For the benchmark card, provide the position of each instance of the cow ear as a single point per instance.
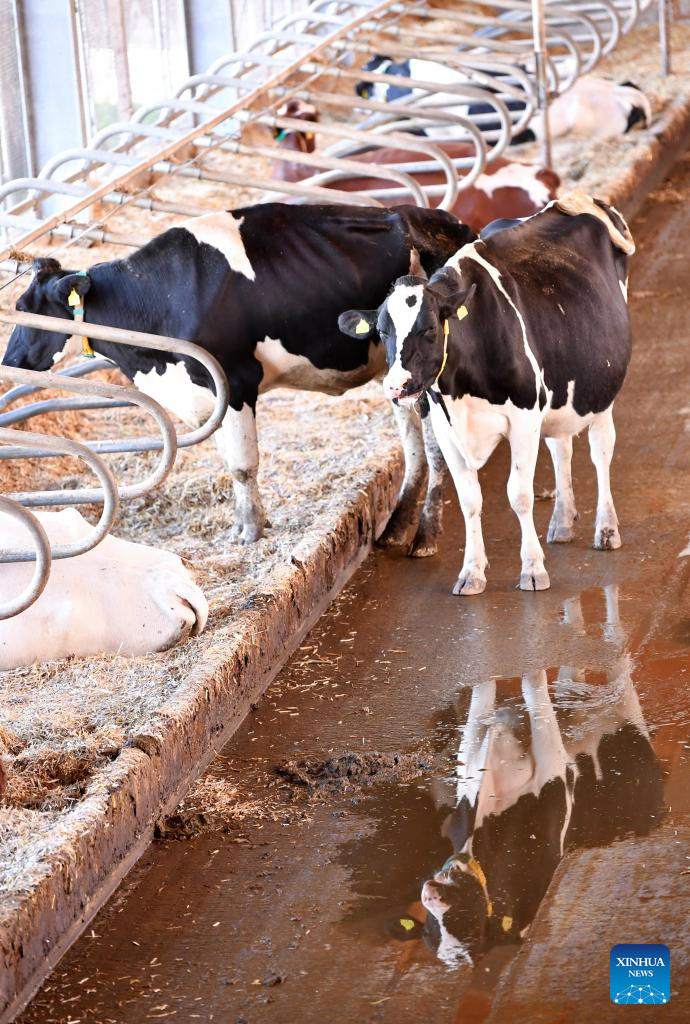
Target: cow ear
(45, 265)
(63, 287)
(359, 323)
(451, 299)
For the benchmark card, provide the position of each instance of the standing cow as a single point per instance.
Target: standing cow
(260, 288)
(521, 335)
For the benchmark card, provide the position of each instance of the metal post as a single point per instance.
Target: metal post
(665, 37)
(116, 24)
(539, 34)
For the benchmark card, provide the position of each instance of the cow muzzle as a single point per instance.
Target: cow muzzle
(401, 390)
(433, 897)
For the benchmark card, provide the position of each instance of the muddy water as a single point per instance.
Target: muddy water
(514, 738)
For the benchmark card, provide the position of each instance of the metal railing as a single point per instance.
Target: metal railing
(16, 444)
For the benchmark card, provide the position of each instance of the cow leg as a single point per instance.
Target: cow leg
(402, 525)
(548, 749)
(602, 440)
(524, 448)
(236, 440)
(564, 511)
(431, 520)
(472, 578)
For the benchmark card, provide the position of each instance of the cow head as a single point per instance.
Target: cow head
(383, 91)
(413, 324)
(461, 921)
(291, 138)
(458, 907)
(48, 295)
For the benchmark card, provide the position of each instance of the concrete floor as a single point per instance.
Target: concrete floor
(292, 916)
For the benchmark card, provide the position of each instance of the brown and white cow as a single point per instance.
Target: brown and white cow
(505, 189)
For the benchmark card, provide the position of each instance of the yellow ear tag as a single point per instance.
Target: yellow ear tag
(407, 923)
(86, 349)
(73, 298)
(507, 923)
(462, 312)
(362, 327)
(446, 328)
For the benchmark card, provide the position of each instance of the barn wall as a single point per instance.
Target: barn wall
(71, 67)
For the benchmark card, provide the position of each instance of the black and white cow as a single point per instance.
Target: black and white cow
(434, 72)
(260, 288)
(572, 766)
(593, 108)
(521, 335)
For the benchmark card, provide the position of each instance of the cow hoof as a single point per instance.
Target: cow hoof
(559, 534)
(468, 584)
(607, 539)
(425, 543)
(396, 535)
(248, 533)
(535, 580)
(424, 549)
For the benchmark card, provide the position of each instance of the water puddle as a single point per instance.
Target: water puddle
(539, 765)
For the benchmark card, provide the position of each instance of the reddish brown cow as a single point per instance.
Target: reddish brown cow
(506, 188)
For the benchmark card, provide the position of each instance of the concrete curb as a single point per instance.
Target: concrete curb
(115, 822)
(653, 161)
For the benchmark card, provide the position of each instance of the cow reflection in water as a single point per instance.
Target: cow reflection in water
(531, 786)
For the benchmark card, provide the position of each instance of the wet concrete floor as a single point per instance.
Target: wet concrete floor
(540, 739)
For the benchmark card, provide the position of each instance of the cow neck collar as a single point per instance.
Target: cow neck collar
(77, 305)
(446, 332)
(473, 868)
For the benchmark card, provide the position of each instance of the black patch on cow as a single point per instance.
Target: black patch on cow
(311, 262)
(625, 798)
(411, 300)
(393, 92)
(563, 274)
(437, 398)
(636, 116)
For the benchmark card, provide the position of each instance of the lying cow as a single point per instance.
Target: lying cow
(596, 108)
(439, 74)
(521, 335)
(505, 189)
(118, 598)
(260, 288)
(593, 108)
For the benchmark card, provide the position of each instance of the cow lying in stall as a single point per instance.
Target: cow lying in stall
(593, 108)
(260, 288)
(118, 598)
(525, 796)
(506, 188)
(522, 334)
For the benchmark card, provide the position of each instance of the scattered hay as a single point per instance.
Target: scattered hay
(51, 780)
(354, 770)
